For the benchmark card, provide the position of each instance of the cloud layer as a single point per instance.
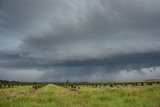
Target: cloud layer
(77, 40)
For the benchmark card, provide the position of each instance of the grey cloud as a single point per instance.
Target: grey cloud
(79, 38)
(101, 31)
(22, 14)
(106, 69)
(99, 75)
(20, 74)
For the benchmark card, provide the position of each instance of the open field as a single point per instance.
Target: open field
(84, 96)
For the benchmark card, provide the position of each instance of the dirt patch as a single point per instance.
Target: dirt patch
(73, 89)
(63, 94)
(31, 92)
(14, 94)
(156, 105)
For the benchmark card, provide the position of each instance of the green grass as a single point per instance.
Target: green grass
(56, 96)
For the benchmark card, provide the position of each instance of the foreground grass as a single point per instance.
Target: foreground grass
(56, 96)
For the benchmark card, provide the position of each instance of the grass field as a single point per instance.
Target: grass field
(56, 96)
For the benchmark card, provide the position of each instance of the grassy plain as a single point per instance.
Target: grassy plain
(87, 96)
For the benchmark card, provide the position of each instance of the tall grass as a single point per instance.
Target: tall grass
(56, 96)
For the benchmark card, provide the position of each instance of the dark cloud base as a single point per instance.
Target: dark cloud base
(117, 61)
(101, 69)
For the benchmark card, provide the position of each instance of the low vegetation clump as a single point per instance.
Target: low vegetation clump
(37, 86)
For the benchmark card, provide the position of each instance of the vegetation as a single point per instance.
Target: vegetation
(120, 94)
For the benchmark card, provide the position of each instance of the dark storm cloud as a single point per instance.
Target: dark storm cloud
(98, 74)
(80, 40)
(106, 69)
(100, 31)
(22, 14)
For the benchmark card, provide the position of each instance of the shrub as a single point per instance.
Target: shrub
(79, 87)
(142, 83)
(0, 85)
(111, 85)
(9, 85)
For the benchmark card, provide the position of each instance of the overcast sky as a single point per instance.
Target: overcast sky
(79, 40)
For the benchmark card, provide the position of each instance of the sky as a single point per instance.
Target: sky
(79, 40)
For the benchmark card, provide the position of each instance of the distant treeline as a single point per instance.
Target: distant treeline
(110, 84)
(36, 85)
(8, 84)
